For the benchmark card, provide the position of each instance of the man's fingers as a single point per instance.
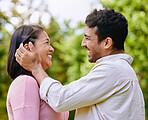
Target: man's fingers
(18, 58)
(31, 46)
(22, 49)
(18, 53)
(25, 57)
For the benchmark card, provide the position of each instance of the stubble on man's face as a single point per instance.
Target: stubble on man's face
(91, 44)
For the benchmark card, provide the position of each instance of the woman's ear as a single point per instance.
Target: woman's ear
(27, 47)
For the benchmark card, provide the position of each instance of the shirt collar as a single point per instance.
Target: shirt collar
(126, 57)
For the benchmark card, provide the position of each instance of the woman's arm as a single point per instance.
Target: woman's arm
(24, 99)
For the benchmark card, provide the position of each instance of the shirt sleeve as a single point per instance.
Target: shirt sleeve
(95, 87)
(25, 100)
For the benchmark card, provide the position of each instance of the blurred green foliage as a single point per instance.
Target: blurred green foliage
(69, 58)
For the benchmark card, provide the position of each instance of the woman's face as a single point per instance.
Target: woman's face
(44, 49)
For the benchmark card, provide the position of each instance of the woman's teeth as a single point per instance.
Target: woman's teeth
(50, 56)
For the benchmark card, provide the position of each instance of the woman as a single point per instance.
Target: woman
(23, 100)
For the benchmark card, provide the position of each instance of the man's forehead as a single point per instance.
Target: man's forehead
(88, 31)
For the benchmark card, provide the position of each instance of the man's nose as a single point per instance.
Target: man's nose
(83, 44)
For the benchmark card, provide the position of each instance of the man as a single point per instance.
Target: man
(110, 91)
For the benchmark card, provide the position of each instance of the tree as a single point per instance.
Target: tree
(4, 79)
(136, 44)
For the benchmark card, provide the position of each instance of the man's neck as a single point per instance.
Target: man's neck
(112, 52)
(116, 52)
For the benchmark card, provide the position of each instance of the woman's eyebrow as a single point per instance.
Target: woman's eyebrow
(47, 39)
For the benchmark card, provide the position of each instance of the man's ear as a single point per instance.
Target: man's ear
(26, 47)
(108, 43)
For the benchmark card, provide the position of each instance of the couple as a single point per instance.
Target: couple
(110, 91)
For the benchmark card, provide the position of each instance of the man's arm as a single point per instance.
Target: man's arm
(97, 86)
(89, 90)
(39, 74)
(31, 61)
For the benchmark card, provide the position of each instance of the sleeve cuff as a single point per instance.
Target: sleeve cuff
(45, 86)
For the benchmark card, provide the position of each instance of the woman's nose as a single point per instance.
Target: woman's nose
(51, 49)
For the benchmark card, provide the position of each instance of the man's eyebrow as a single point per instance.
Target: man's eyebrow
(86, 35)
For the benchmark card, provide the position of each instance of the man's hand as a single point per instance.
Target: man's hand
(29, 60)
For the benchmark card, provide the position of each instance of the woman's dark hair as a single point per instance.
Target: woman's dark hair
(109, 24)
(24, 34)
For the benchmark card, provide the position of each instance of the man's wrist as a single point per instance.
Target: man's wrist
(39, 74)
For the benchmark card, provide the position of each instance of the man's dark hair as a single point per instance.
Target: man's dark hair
(24, 34)
(109, 24)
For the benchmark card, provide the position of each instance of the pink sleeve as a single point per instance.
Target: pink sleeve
(25, 100)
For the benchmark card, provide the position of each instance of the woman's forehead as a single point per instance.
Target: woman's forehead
(43, 35)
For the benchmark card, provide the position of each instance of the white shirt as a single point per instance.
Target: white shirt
(110, 91)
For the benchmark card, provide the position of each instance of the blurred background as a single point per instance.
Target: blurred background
(64, 23)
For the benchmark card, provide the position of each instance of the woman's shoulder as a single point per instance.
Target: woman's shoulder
(24, 81)
(25, 78)
(24, 90)
(23, 84)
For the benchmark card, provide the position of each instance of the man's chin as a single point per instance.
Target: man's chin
(91, 61)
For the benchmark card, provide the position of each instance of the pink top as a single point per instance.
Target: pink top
(24, 103)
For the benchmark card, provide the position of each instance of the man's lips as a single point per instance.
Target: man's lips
(88, 50)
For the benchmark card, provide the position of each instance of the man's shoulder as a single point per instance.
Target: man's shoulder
(104, 65)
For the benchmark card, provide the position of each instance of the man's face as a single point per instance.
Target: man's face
(90, 42)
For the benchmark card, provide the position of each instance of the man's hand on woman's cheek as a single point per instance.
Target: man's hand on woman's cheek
(27, 59)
